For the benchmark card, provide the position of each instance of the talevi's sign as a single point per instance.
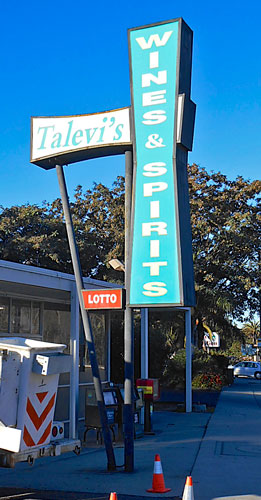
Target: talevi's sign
(157, 276)
(68, 139)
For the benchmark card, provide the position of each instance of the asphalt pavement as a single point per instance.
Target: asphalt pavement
(220, 450)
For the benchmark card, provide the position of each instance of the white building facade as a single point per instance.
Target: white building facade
(43, 304)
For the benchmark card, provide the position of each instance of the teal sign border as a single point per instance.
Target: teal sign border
(156, 259)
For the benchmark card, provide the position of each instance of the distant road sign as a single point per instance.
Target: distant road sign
(104, 299)
(212, 342)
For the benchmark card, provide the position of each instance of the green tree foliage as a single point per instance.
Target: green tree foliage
(117, 346)
(234, 351)
(202, 363)
(225, 218)
(31, 235)
(166, 337)
(36, 235)
(251, 331)
(98, 217)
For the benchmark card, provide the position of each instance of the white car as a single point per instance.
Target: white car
(248, 369)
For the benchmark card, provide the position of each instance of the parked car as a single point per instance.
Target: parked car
(247, 369)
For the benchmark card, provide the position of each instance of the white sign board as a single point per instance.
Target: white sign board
(214, 341)
(67, 139)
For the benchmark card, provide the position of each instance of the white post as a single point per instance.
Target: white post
(188, 361)
(144, 343)
(108, 343)
(74, 351)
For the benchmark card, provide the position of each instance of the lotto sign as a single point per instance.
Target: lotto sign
(103, 299)
(160, 229)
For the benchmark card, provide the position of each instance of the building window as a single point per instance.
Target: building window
(99, 336)
(4, 314)
(25, 317)
(57, 323)
(19, 317)
(35, 315)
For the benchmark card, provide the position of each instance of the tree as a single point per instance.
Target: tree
(251, 331)
(29, 235)
(98, 217)
(225, 217)
(35, 235)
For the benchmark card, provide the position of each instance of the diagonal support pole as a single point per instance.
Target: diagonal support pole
(111, 465)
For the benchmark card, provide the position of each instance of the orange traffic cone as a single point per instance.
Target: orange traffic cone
(113, 496)
(188, 490)
(158, 485)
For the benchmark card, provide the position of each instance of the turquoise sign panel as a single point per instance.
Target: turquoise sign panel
(155, 262)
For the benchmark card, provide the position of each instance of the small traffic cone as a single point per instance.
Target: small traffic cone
(188, 490)
(113, 496)
(158, 485)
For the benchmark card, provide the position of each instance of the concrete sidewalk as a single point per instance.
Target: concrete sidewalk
(229, 459)
(177, 439)
(222, 452)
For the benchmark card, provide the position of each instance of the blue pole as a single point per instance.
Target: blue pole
(128, 410)
(111, 465)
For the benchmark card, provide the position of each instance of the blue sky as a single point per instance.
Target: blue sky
(62, 58)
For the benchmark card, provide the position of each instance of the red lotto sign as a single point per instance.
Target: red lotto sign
(103, 299)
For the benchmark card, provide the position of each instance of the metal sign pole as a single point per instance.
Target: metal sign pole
(111, 465)
(188, 361)
(128, 329)
(144, 343)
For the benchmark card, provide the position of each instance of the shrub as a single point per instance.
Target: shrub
(175, 370)
(203, 363)
(212, 363)
(208, 381)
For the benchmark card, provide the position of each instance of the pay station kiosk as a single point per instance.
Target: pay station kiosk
(113, 403)
(113, 400)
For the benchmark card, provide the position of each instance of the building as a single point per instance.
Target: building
(43, 304)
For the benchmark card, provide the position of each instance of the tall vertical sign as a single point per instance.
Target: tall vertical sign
(163, 118)
(162, 130)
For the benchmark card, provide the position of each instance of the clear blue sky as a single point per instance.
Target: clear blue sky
(60, 57)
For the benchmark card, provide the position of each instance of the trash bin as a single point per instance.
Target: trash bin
(29, 373)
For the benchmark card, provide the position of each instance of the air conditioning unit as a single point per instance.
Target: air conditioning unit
(57, 431)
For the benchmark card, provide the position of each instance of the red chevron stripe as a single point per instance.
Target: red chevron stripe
(38, 420)
(41, 396)
(28, 438)
(45, 434)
